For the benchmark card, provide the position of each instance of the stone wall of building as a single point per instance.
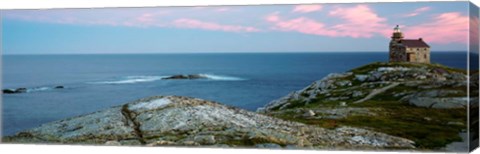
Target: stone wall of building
(397, 54)
(421, 55)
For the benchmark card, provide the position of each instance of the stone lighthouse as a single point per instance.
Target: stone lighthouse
(408, 50)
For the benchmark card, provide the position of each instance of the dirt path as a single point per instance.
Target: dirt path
(377, 91)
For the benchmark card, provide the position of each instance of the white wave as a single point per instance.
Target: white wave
(131, 79)
(221, 77)
(36, 89)
(140, 79)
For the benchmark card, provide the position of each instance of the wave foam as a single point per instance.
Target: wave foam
(37, 89)
(221, 77)
(131, 79)
(140, 79)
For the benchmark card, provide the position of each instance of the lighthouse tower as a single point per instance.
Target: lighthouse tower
(395, 46)
(397, 34)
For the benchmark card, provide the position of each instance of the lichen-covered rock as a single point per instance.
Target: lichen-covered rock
(426, 77)
(370, 138)
(95, 128)
(439, 103)
(321, 86)
(113, 143)
(205, 139)
(309, 113)
(184, 121)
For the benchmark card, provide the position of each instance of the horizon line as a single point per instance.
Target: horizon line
(144, 53)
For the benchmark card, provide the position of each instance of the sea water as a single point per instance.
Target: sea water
(96, 82)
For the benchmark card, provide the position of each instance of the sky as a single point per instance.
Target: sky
(231, 29)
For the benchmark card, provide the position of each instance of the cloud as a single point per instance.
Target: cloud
(417, 12)
(273, 17)
(445, 28)
(100, 17)
(197, 24)
(131, 18)
(302, 25)
(357, 22)
(146, 18)
(360, 21)
(223, 9)
(307, 8)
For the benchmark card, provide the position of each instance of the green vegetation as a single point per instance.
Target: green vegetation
(369, 67)
(429, 128)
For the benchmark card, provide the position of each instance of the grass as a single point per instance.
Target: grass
(369, 67)
(410, 122)
(292, 116)
(426, 136)
(428, 128)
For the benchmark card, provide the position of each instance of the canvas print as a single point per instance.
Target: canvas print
(353, 76)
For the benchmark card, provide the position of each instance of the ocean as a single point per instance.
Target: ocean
(96, 82)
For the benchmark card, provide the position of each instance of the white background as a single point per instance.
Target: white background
(53, 149)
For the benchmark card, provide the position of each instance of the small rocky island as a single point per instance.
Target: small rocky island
(188, 77)
(404, 106)
(26, 90)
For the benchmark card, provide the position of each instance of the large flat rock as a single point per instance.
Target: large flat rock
(184, 121)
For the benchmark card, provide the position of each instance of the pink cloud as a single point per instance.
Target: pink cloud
(304, 25)
(197, 24)
(423, 9)
(273, 17)
(417, 11)
(146, 18)
(307, 8)
(139, 19)
(360, 21)
(135, 18)
(357, 22)
(451, 27)
(223, 9)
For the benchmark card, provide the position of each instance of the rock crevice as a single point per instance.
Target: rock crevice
(130, 117)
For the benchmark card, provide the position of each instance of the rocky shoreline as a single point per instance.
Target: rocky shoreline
(184, 121)
(349, 111)
(384, 77)
(405, 99)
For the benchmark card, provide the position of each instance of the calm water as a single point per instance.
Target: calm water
(95, 82)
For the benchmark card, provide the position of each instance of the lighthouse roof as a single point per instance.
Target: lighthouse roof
(415, 43)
